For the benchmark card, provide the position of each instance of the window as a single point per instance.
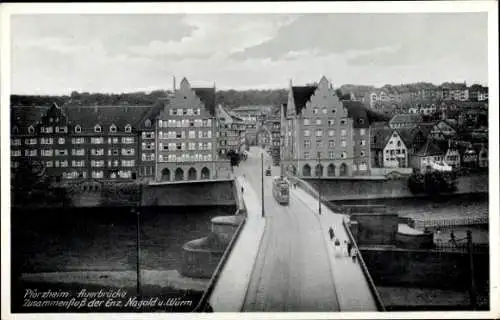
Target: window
(78, 129)
(78, 152)
(315, 111)
(343, 155)
(324, 110)
(112, 128)
(331, 144)
(128, 163)
(331, 133)
(307, 144)
(15, 142)
(128, 140)
(30, 141)
(128, 128)
(30, 153)
(31, 129)
(397, 144)
(307, 122)
(319, 144)
(331, 155)
(61, 140)
(46, 141)
(343, 132)
(331, 122)
(307, 133)
(97, 128)
(343, 121)
(319, 122)
(147, 123)
(362, 153)
(362, 132)
(61, 129)
(343, 143)
(97, 152)
(61, 152)
(148, 135)
(97, 140)
(128, 151)
(80, 140)
(306, 155)
(319, 133)
(362, 142)
(47, 153)
(49, 164)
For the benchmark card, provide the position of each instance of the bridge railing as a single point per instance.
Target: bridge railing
(364, 268)
(203, 305)
(449, 223)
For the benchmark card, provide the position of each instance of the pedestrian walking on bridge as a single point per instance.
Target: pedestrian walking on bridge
(332, 234)
(242, 189)
(349, 248)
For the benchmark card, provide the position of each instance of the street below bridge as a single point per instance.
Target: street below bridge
(292, 271)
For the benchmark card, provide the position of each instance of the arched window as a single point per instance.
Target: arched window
(344, 170)
(179, 174)
(78, 129)
(112, 128)
(31, 129)
(97, 128)
(165, 174)
(147, 123)
(192, 174)
(205, 173)
(331, 170)
(306, 170)
(128, 128)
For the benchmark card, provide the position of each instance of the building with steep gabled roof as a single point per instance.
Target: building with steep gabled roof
(324, 136)
(230, 134)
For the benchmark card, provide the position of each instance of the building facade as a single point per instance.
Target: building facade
(321, 136)
(76, 142)
(231, 133)
(187, 137)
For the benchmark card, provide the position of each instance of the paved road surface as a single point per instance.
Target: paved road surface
(292, 271)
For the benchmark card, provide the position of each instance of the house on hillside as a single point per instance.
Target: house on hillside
(444, 153)
(389, 149)
(405, 121)
(444, 130)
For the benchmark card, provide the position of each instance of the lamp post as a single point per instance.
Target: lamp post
(138, 251)
(319, 183)
(262, 180)
(472, 290)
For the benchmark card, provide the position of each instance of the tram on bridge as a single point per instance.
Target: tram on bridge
(281, 190)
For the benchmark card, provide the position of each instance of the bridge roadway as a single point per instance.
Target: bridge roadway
(294, 267)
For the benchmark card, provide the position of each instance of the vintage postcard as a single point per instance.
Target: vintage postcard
(285, 160)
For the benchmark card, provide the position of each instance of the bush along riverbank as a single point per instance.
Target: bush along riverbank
(433, 183)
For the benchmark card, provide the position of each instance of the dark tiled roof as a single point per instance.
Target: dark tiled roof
(407, 118)
(23, 117)
(153, 112)
(407, 135)
(432, 147)
(207, 97)
(120, 116)
(380, 137)
(301, 96)
(362, 116)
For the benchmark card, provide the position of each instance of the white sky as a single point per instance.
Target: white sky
(59, 53)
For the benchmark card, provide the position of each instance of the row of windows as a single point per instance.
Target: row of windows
(185, 123)
(319, 133)
(395, 151)
(124, 174)
(185, 146)
(79, 140)
(78, 129)
(74, 152)
(331, 155)
(330, 122)
(191, 134)
(185, 157)
(184, 112)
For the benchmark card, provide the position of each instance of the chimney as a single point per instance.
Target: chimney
(174, 88)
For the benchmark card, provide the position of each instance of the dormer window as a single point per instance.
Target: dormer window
(97, 128)
(78, 129)
(128, 128)
(361, 121)
(31, 129)
(15, 130)
(112, 128)
(147, 123)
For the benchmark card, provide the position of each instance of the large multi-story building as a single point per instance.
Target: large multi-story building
(187, 137)
(75, 142)
(231, 132)
(321, 132)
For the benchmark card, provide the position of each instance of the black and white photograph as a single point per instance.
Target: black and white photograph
(218, 158)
